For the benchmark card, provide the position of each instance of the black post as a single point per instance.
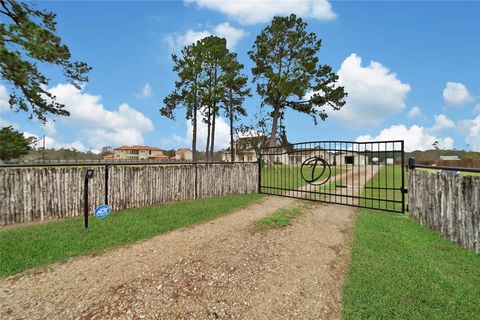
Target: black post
(411, 163)
(88, 175)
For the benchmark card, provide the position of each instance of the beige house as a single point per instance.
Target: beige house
(184, 154)
(138, 153)
(244, 149)
(352, 158)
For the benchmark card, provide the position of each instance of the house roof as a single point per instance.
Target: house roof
(138, 148)
(159, 156)
(109, 156)
(182, 150)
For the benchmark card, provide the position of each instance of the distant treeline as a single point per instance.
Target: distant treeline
(434, 155)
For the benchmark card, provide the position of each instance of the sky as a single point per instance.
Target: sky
(411, 70)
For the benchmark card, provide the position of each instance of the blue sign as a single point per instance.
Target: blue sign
(102, 211)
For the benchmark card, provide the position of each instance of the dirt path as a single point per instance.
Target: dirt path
(220, 269)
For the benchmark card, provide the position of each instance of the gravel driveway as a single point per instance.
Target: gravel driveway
(216, 270)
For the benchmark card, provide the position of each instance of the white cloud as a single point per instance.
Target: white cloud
(416, 137)
(49, 128)
(374, 93)
(146, 91)
(177, 41)
(476, 109)
(456, 94)
(442, 122)
(97, 125)
(222, 136)
(4, 97)
(415, 112)
(252, 12)
(52, 143)
(473, 133)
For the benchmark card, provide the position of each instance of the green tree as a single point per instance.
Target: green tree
(209, 80)
(188, 67)
(13, 144)
(235, 92)
(215, 57)
(27, 36)
(287, 70)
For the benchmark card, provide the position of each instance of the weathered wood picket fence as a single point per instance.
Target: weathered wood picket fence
(44, 193)
(447, 203)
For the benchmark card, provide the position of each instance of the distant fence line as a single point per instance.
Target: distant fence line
(96, 161)
(447, 203)
(469, 163)
(44, 193)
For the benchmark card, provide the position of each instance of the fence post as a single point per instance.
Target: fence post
(259, 160)
(106, 184)
(196, 181)
(88, 176)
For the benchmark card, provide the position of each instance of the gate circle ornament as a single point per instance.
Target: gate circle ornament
(313, 169)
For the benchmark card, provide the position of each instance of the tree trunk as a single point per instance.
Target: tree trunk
(212, 140)
(273, 136)
(207, 154)
(194, 134)
(214, 110)
(230, 110)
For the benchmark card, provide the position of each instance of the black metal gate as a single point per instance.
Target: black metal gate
(360, 174)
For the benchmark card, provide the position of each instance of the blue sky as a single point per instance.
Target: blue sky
(412, 69)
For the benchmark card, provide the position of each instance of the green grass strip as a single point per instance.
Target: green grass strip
(403, 270)
(26, 247)
(282, 217)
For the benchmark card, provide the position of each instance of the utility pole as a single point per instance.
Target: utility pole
(43, 153)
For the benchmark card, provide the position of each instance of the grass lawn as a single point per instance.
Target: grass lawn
(403, 270)
(26, 247)
(289, 177)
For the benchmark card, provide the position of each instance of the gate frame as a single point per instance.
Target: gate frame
(403, 190)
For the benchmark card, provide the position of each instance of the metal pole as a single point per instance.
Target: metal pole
(85, 201)
(88, 176)
(43, 153)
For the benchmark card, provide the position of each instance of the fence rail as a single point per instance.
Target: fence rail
(36, 193)
(448, 203)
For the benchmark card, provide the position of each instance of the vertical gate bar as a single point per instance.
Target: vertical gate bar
(385, 154)
(403, 177)
(394, 181)
(372, 173)
(358, 174)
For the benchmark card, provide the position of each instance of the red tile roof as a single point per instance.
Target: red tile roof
(108, 156)
(138, 148)
(183, 150)
(159, 156)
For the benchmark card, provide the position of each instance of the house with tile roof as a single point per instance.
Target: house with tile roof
(184, 154)
(139, 153)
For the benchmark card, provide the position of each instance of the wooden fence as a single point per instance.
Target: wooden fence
(447, 203)
(37, 194)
